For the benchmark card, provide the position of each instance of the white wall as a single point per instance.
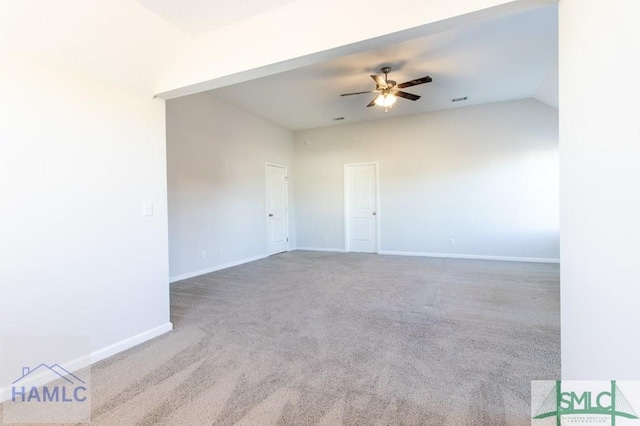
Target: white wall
(81, 148)
(78, 160)
(600, 200)
(486, 176)
(217, 156)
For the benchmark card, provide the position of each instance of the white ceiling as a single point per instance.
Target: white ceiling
(199, 16)
(499, 59)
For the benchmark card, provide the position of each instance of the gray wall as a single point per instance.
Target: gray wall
(216, 159)
(486, 176)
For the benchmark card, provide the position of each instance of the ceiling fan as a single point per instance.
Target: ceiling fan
(389, 90)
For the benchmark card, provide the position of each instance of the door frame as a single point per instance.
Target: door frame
(286, 203)
(347, 226)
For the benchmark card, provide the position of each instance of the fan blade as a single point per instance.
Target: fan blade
(406, 95)
(379, 81)
(415, 82)
(372, 103)
(356, 93)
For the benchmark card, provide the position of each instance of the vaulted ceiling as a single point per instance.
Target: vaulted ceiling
(505, 58)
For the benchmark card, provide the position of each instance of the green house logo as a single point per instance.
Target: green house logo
(588, 404)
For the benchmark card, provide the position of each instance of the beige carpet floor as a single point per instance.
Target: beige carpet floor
(307, 338)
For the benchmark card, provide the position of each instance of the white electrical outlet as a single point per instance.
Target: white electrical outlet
(452, 241)
(204, 254)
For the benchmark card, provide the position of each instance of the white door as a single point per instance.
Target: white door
(277, 226)
(361, 201)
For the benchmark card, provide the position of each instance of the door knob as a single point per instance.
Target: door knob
(270, 214)
(374, 213)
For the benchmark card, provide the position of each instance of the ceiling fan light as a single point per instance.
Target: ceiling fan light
(386, 100)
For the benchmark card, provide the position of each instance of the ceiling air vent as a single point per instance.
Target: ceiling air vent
(459, 99)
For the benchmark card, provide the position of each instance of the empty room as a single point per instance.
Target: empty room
(300, 212)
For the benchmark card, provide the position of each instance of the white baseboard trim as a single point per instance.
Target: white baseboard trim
(215, 268)
(472, 256)
(334, 250)
(95, 356)
(130, 342)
